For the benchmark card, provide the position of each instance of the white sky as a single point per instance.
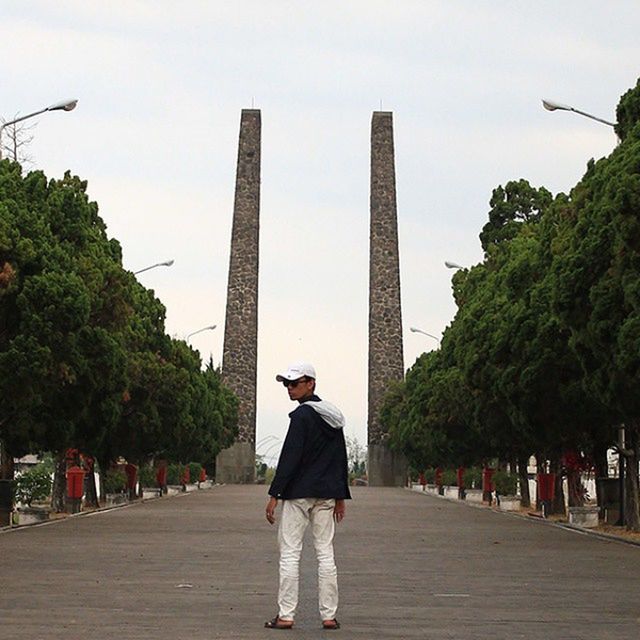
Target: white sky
(161, 85)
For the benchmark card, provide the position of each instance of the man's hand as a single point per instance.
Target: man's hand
(271, 510)
(339, 510)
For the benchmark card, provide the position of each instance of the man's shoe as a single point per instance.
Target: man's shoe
(276, 623)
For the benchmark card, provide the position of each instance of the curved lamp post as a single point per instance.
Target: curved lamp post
(452, 265)
(210, 328)
(550, 105)
(63, 105)
(168, 263)
(416, 330)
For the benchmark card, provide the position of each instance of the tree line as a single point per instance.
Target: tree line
(543, 355)
(85, 362)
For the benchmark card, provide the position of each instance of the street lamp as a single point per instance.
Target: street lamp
(416, 330)
(168, 263)
(550, 105)
(452, 265)
(211, 328)
(63, 105)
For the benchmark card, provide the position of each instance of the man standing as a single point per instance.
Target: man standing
(312, 481)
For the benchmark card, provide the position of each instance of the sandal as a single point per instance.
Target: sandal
(276, 623)
(330, 624)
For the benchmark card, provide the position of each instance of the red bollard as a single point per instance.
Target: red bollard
(161, 478)
(546, 491)
(438, 480)
(75, 488)
(422, 480)
(185, 478)
(203, 475)
(487, 484)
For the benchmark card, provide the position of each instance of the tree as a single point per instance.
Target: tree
(628, 112)
(90, 365)
(597, 285)
(511, 206)
(15, 141)
(356, 456)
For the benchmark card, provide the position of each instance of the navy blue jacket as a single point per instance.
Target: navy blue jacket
(313, 461)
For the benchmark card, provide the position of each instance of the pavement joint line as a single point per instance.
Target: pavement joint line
(608, 537)
(95, 512)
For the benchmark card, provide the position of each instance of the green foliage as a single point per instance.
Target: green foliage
(264, 473)
(91, 366)
(194, 471)
(147, 476)
(115, 481)
(512, 206)
(33, 484)
(174, 473)
(269, 475)
(628, 112)
(449, 478)
(543, 355)
(356, 457)
(505, 484)
(261, 469)
(473, 478)
(430, 476)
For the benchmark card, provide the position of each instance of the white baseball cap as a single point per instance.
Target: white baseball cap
(296, 371)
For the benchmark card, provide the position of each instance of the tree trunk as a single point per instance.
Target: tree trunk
(540, 468)
(91, 491)
(600, 461)
(103, 465)
(59, 488)
(6, 463)
(524, 481)
(576, 488)
(632, 493)
(557, 506)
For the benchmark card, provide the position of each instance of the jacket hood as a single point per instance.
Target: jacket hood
(328, 412)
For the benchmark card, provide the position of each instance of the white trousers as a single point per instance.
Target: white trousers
(296, 516)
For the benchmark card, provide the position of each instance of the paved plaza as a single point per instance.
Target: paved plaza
(204, 565)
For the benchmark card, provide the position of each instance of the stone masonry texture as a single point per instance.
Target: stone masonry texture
(240, 352)
(385, 318)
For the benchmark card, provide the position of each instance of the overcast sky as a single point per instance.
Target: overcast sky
(161, 85)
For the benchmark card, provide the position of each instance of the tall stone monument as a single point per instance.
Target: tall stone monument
(386, 362)
(236, 465)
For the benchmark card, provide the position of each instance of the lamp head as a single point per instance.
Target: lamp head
(550, 105)
(64, 105)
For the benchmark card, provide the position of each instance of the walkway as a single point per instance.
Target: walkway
(203, 565)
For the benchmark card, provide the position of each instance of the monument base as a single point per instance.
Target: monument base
(237, 464)
(386, 468)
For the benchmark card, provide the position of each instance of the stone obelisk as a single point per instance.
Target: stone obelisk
(386, 362)
(236, 465)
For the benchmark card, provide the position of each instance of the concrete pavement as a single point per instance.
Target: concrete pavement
(204, 565)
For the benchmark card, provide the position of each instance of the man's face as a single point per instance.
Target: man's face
(300, 388)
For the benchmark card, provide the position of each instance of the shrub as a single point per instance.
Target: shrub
(174, 473)
(449, 478)
(115, 481)
(505, 483)
(473, 478)
(194, 471)
(430, 476)
(147, 476)
(34, 484)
